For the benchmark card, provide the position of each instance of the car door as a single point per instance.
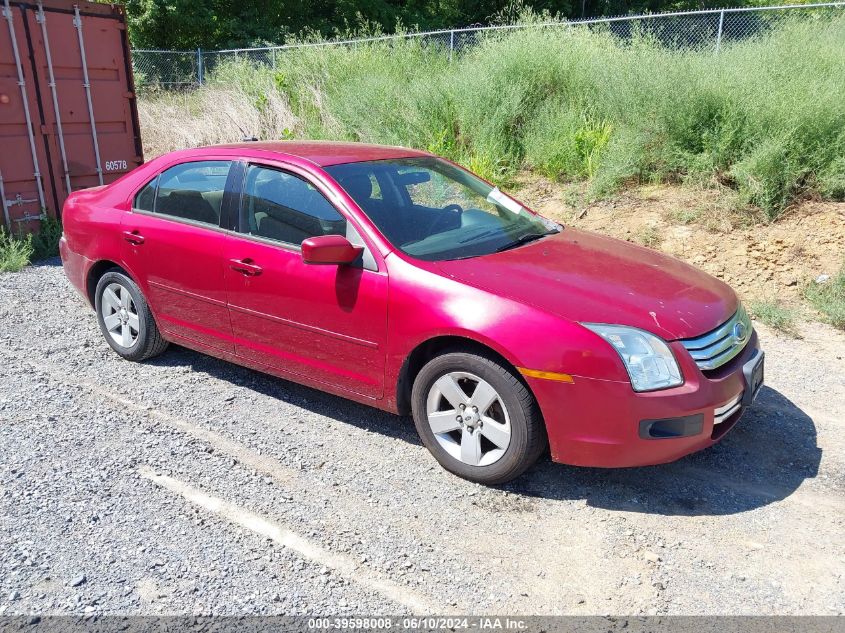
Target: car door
(174, 245)
(326, 323)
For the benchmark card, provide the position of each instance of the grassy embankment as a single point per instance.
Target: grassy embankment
(765, 117)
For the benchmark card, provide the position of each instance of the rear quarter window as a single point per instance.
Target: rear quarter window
(146, 198)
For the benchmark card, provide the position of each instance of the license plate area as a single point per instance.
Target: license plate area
(754, 373)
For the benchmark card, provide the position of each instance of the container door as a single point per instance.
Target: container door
(24, 164)
(90, 120)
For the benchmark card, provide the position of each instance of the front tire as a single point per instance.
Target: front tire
(125, 318)
(477, 418)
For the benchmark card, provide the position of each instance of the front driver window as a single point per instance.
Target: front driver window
(285, 208)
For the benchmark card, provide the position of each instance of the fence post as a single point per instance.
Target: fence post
(200, 72)
(451, 44)
(719, 32)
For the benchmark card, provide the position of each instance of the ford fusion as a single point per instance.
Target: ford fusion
(397, 279)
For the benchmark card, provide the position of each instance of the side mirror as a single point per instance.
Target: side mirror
(330, 249)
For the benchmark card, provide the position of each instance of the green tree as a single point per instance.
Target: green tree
(210, 24)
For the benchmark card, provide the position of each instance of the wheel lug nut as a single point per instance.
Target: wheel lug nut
(463, 406)
(459, 419)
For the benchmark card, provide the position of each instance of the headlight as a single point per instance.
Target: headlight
(647, 358)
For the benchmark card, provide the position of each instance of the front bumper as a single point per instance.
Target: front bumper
(593, 422)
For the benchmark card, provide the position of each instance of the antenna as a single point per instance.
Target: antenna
(244, 136)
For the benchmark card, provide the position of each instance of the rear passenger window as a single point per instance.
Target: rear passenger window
(191, 191)
(283, 207)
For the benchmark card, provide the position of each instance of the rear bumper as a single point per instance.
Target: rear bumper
(76, 268)
(601, 423)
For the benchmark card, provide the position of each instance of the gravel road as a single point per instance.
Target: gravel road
(190, 485)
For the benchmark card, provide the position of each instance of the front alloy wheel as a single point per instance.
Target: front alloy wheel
(478, 419)
(468, 418)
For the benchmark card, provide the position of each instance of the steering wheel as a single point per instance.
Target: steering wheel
(445, 216)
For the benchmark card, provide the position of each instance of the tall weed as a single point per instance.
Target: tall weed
(15, 253)
(45, 243)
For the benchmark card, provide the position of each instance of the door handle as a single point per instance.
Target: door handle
(133, 237)
(245, 266)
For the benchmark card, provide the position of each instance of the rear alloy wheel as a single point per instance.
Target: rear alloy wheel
(125, 318)
(477, 419)
(120, 315)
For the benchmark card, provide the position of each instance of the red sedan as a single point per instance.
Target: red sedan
(398, 279)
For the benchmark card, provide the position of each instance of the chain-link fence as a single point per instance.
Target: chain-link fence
(709, 29)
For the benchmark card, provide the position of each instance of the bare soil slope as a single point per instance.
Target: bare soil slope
(767, 261)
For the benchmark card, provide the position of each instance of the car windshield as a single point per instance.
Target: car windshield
(433, 210)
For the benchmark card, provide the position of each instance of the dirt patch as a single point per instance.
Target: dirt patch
(762, 261)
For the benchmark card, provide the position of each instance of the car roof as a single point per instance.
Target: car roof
(325, 153)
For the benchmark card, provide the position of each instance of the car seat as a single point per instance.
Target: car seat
(284, 222)
(189, 205)
(360, 188)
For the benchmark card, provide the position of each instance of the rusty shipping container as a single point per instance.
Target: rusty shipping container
(68, 115)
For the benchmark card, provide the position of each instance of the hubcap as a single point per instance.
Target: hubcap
(468, 418)
(120, 315)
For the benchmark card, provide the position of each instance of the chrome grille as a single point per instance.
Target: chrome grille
(717, 347)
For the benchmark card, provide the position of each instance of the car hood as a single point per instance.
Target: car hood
(588, 277)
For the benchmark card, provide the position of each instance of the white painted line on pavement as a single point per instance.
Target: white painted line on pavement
(282, 535)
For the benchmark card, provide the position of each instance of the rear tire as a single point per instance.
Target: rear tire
(125, 318)
(477, 418)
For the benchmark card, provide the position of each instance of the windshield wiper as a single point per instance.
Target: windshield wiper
(524, 239)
